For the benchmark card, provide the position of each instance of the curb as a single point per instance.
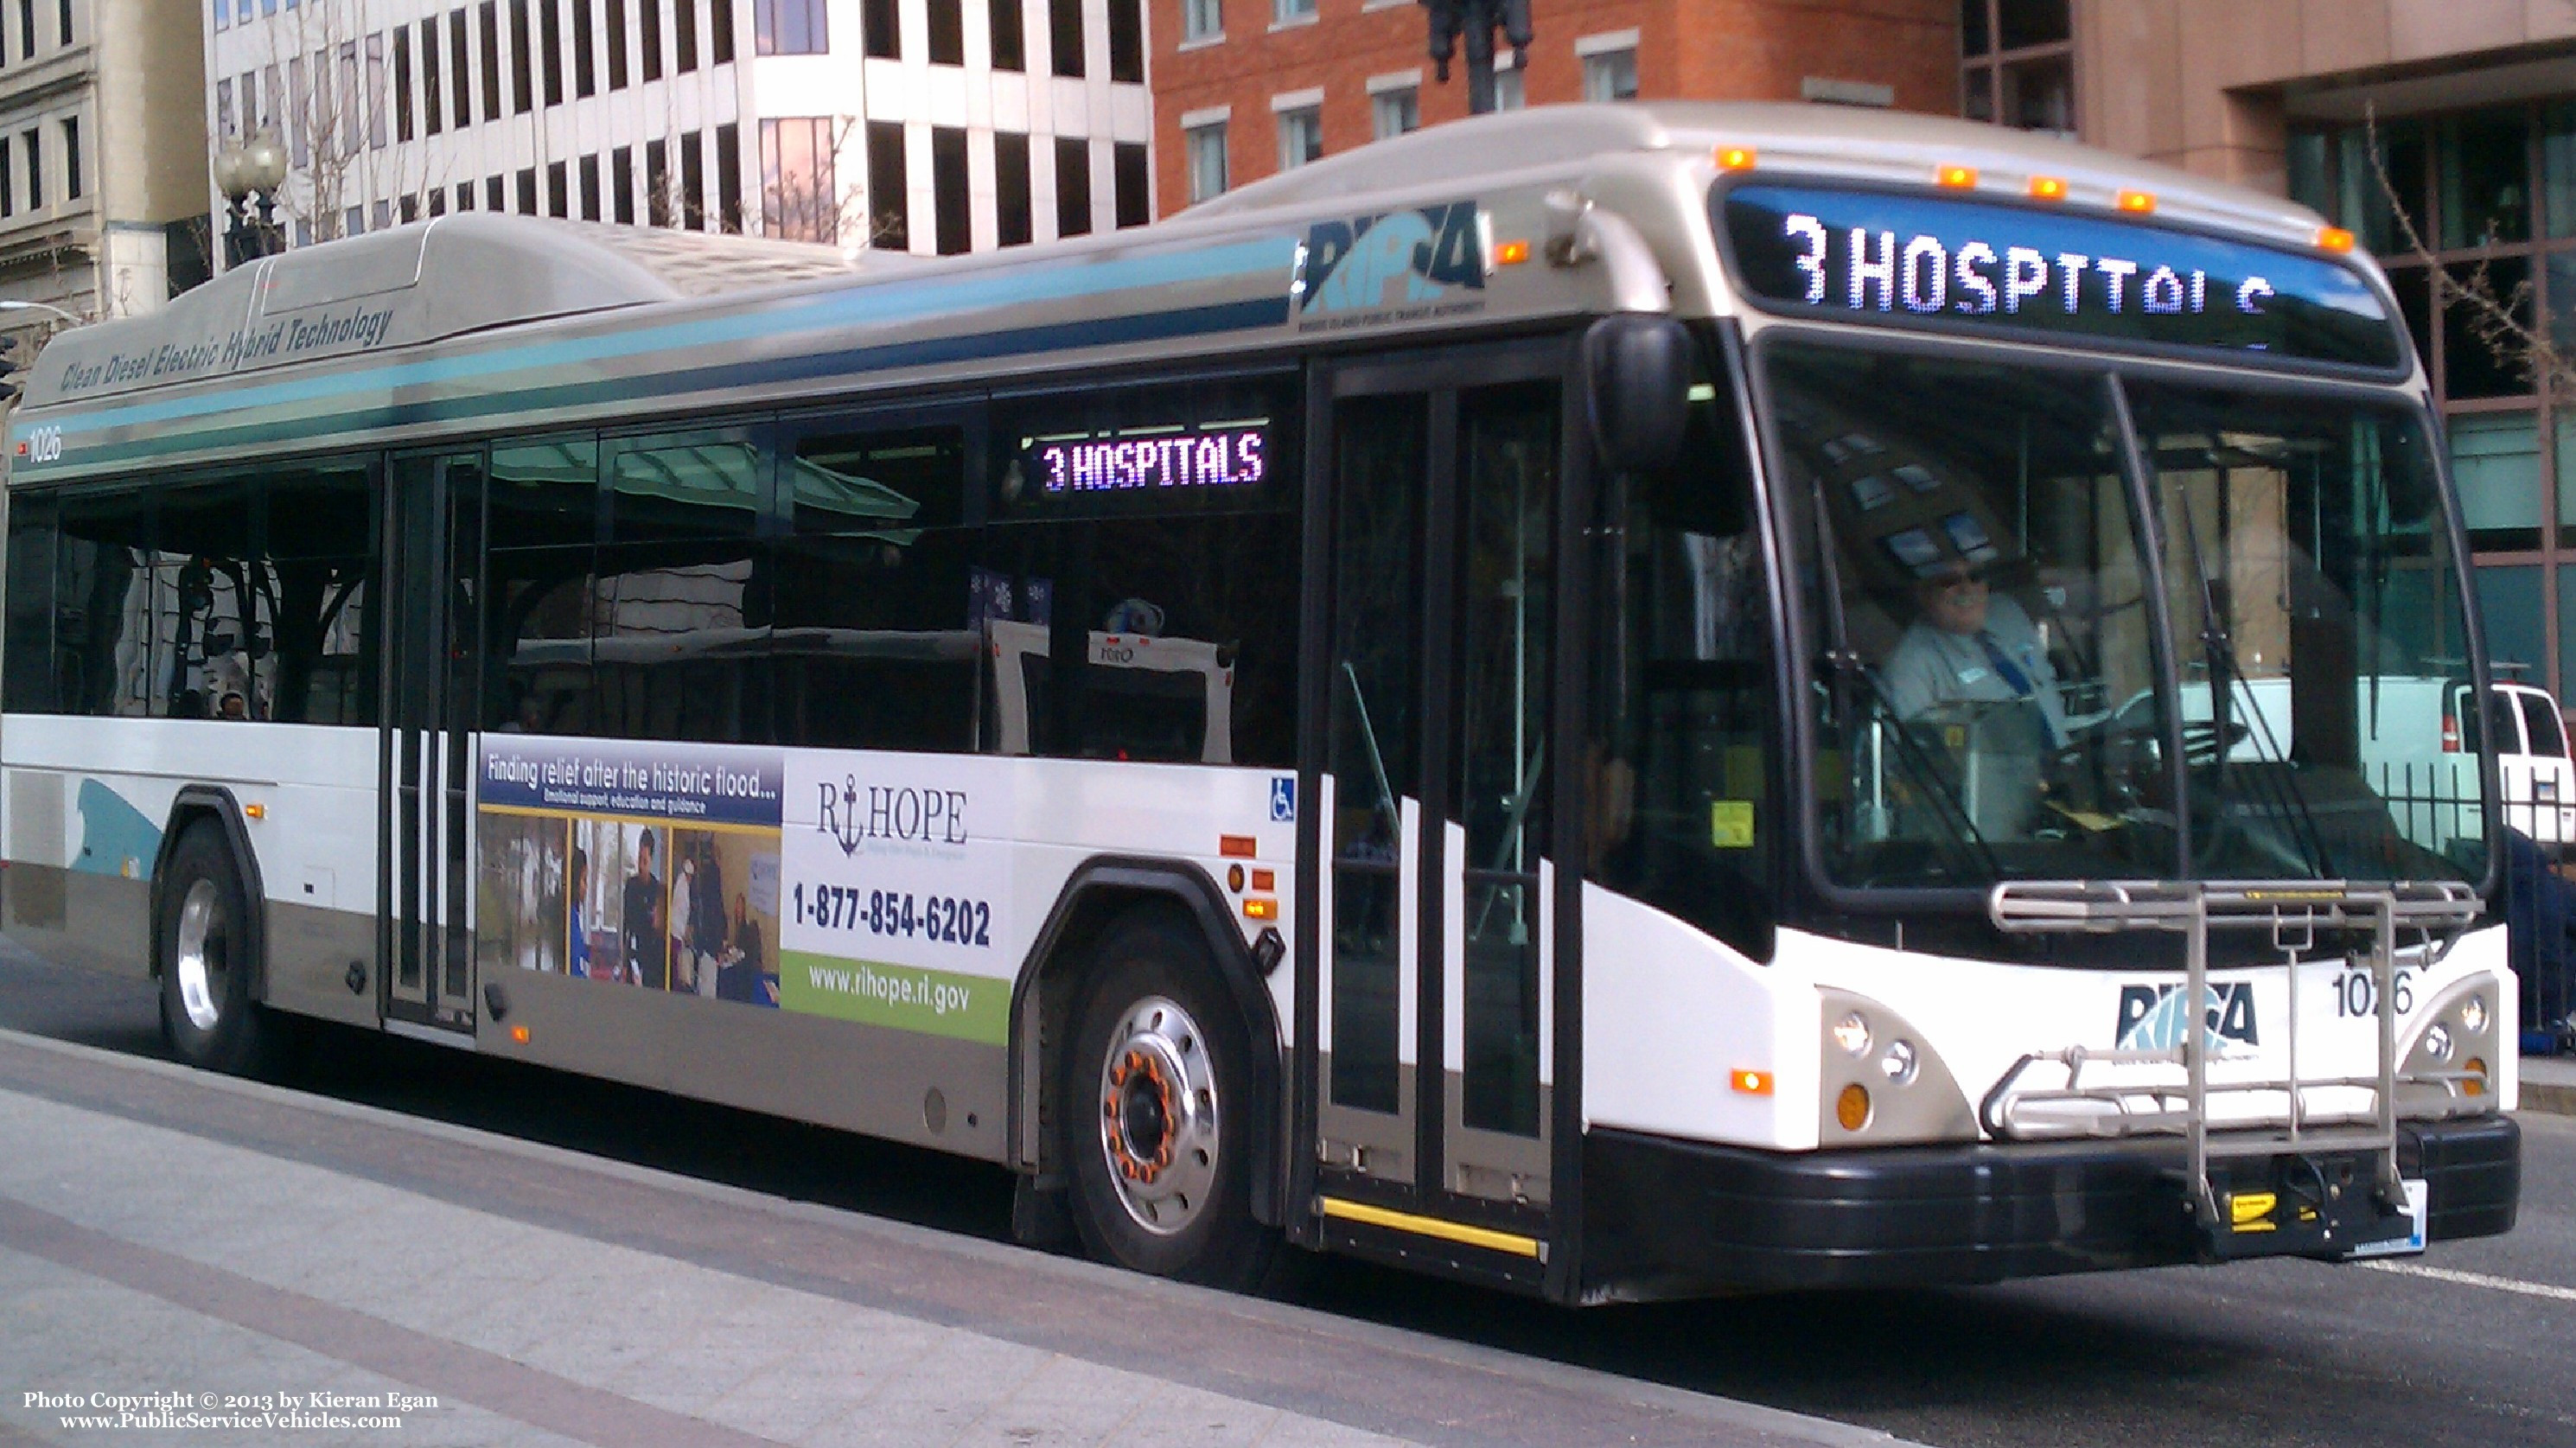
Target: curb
(2553, 1098)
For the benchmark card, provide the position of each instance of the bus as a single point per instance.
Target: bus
(1619, 702)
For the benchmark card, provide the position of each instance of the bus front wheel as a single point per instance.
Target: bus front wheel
(1155, 1091)
(207, 1015)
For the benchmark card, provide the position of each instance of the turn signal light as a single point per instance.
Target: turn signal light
(1957, 176)
(2140, 202)
(256, 811)
(2476, 1084)
(1735, 158)
(1749, 1083)
(1237, 847)
(1261, 909)
(2048, 188)
(1510, 253)
(1851, 1107)
(519, 1035)
(2334, 238)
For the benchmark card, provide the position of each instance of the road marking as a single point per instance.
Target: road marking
(2478, 1279)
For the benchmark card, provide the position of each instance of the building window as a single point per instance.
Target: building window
(1301, 136)
(954, 213)
(1127, 41)
(621, 181)
(693, 182)
(492, 62)
(1610, 75)
(34, 141)
(8, 186)
(1064, 36)
(527, 189)
(298, 143)
(522, 55)
(729, 178)
(402, 84)
(1291, 12)
(71, 157)
(1206, 150)
(1202, 19)
(1132, 184)
(651, 16)
(1072, 186)
(224, 122)
(590, 188)
(1012, 208)
(659, 209)
(458, 61)
(2017, 64)
(684, 36)
(2473, 214)
(1010, 51)
(615, 30)
(788, 27)
(947, 32)
(376, 89)
(1395, 110)
(550, 38)
(585, 64)
(720, 39)
(496, 193)
(882, 29)
(889, 189)
(558, 188)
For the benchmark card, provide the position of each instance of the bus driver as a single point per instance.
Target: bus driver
(1967, 646)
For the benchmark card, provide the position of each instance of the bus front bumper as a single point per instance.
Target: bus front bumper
(1665, 1218)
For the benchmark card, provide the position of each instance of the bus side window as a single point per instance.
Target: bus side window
(27, 650)
(676, 648)
(541, 585)
(871, 641)
(318, 567)
(1683, 800)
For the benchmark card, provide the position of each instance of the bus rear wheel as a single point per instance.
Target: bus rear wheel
(208, 1017)
(1154, 1090)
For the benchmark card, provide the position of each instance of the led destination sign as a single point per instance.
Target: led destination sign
(1869, 256)
(1215, 458)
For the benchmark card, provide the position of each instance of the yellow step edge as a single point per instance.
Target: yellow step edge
(1485, 1237)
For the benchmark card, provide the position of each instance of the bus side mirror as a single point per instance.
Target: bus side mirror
(1638, 370)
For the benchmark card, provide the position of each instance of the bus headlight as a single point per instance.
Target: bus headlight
(2473, 1014)
(1852, 1033)
(2437, 1042)
(2448, 1059)
(1900, 1064)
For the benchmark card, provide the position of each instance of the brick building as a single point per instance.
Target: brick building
(1242, 87)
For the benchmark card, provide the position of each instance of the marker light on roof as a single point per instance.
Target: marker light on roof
(1735, 158)
(2334, 238)
(2048, 188)
(1961, 177)
(2140, 202)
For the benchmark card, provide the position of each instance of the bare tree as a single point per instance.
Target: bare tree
(335, 120)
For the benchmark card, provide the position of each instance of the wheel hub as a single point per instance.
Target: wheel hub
(203, 955)
(1158, 1115)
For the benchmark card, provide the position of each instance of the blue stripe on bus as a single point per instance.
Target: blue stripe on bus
(928, 351)
(879, 304)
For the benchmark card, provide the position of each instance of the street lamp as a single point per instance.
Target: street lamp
(1474, 21)
(246, 170)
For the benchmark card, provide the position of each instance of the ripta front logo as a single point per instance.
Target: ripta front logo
(853, 814)
(2154, 1017)
(1400, 258)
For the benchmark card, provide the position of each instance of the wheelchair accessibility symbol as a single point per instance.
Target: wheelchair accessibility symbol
(1283, 799)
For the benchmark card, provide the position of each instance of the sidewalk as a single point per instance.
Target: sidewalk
(294, 1270)
(2549, 1084)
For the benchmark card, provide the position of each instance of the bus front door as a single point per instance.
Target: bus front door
(1434, 956)
(432, 557)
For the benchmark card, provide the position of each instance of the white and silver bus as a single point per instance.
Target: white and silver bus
(1615, 701)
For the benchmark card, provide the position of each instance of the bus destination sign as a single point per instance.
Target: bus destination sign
(1883, 257)
(1214, 457)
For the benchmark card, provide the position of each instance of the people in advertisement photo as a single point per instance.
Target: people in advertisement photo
(520, 906)
(647, 952)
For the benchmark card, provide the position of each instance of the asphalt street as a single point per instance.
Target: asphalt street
(2474, 1343)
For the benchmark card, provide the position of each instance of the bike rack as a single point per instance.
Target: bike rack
(2294, 912)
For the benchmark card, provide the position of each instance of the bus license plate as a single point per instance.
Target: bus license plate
(2413, 1242)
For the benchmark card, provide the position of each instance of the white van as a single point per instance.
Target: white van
(2419, 749)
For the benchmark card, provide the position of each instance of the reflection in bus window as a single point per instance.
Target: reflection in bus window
(542, 503)
(2312, 533)
(1986, 610)
(102, 605)
(685, 486)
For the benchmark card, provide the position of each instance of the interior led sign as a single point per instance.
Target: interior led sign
(1939, 261)
(1211, 458)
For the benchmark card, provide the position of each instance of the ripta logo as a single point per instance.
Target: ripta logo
(1393, 260)
(853, 814)
(2154, 1017)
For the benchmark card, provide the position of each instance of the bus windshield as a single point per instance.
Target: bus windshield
(1989, 700)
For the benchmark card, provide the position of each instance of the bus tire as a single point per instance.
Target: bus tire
(208, 1016)
(1157, 1090)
